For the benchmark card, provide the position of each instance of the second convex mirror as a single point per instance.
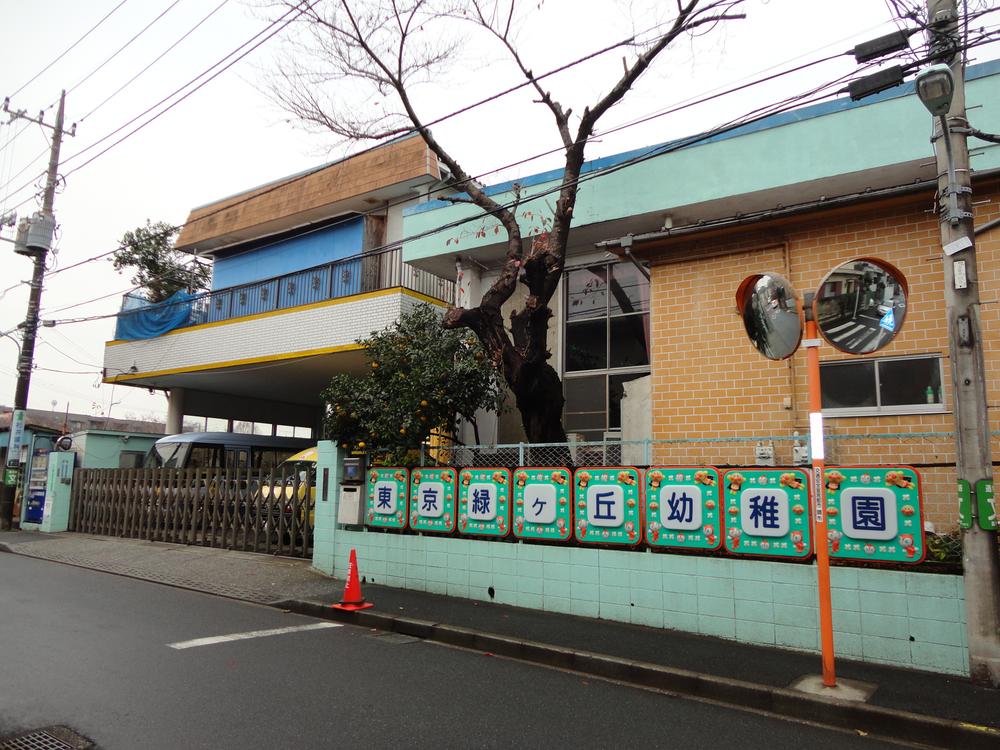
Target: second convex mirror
(861, 305)
(767, 302)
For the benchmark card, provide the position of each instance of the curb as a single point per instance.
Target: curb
(843, 715)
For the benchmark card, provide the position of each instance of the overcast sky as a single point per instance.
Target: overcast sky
(229, 136)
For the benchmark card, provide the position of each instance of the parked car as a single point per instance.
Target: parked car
(294, 482)
(235, 451)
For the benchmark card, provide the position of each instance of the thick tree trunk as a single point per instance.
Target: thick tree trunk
(539, 396)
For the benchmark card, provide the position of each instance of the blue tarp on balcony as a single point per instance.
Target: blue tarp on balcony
(142, 319)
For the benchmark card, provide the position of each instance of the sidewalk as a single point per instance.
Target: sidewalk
(741, 674)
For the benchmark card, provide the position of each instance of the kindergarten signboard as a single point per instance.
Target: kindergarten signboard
(484, 502)
(386, 498)
(874, 513)
(682, 507)
(767, 513)
(607, 505)
(432, 500)
(543, 503)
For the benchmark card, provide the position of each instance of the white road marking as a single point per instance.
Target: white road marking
(212, 640)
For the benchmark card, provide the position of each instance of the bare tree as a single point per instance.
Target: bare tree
(387, 46)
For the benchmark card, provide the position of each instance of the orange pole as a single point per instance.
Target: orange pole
(819, 497)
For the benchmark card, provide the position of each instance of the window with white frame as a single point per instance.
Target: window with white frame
(606, 344)
(889, 385)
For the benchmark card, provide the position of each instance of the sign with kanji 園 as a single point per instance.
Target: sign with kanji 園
(385, 504)
(682, 507)
(874, 513)
(767, 512)
(543, 503)
(484, 502)
(607, 505)
(432, 500)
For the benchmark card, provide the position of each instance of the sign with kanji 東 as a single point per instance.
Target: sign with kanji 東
(607, 505)
(432, 500)
(385, 503)
(543, 506)
(484, 502)
(682, 507)
(767, 512)
(874, 513)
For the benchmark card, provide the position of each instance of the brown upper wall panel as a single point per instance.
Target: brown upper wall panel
(354, 176)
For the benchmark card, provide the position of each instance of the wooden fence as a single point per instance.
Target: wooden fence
(237, 510)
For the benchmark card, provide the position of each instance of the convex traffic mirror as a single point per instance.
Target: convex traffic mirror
(770, 313)
(861, 305)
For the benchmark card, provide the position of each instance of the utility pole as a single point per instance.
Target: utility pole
(961, 292)
(34, 241)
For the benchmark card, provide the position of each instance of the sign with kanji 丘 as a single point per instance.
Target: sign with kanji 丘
(874, 513)
(484, 502)
(682, 507)
(607, 505)
(767, 512)
(385, 504)
(543, 503)
(432, 500)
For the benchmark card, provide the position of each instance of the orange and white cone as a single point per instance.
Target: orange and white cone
(352, 599)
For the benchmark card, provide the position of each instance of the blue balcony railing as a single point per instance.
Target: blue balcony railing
(357, 274)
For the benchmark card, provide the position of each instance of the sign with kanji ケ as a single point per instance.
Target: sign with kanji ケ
(607, 505)
(484, 502)
(874, 513)
(432, 500)
(682, 507)
(767, 512)
(386, 498)
(543, 503)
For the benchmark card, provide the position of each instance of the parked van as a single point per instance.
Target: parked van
(223, 450)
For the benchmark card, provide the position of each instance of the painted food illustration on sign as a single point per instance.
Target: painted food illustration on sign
(767, 513)
(432, 500)
(385, 503)
(682, 507)
(543, 506)
(607, 505)
(484, 502)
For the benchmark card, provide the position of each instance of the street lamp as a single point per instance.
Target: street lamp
(935, 88)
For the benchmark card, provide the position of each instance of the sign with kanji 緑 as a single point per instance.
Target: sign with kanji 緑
(767, 512)
(543, 506)
(432, 500)
(682, 507)
(484, 502)
(385, 504)
(607, 505)
(874, 513)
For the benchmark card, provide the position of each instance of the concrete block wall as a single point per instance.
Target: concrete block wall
(913, 620)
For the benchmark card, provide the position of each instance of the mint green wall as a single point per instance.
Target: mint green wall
(892, 131)
(102, 450)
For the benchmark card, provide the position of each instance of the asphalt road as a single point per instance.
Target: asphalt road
(92, 651)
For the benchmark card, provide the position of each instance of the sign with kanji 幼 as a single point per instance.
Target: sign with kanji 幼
(385, 501)
(767, 512)
(484, 502)
(432, 499)
(543, 506)
(874, 513)
(986, 505)
(607, 505)
(682, 507)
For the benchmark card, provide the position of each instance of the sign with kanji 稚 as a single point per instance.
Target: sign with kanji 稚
(682, 507)
(484, 502)
(607, 505)
(385, 504)
(543, 503)
(432, 500)
(874, 513)
(767, 512)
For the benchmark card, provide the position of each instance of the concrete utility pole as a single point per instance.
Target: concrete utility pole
(38, 241)
(961, 293)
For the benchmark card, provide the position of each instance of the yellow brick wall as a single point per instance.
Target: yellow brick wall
(710, 383)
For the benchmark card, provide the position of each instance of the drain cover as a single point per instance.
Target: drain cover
(51, 738)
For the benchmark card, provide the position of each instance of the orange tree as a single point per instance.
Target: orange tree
(420, 380)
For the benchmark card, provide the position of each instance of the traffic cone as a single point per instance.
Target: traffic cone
(352, 591)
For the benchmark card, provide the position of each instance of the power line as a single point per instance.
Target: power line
(68, 49)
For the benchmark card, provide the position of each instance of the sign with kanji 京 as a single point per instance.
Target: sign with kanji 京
(607, 505)
(767, 512)
(484, 502)
(682, 507)
(385, 504)
(874, 513)
(543, 503)
(432, 500)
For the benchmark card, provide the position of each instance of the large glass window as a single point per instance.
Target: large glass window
(898, 385)
(606, 342)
